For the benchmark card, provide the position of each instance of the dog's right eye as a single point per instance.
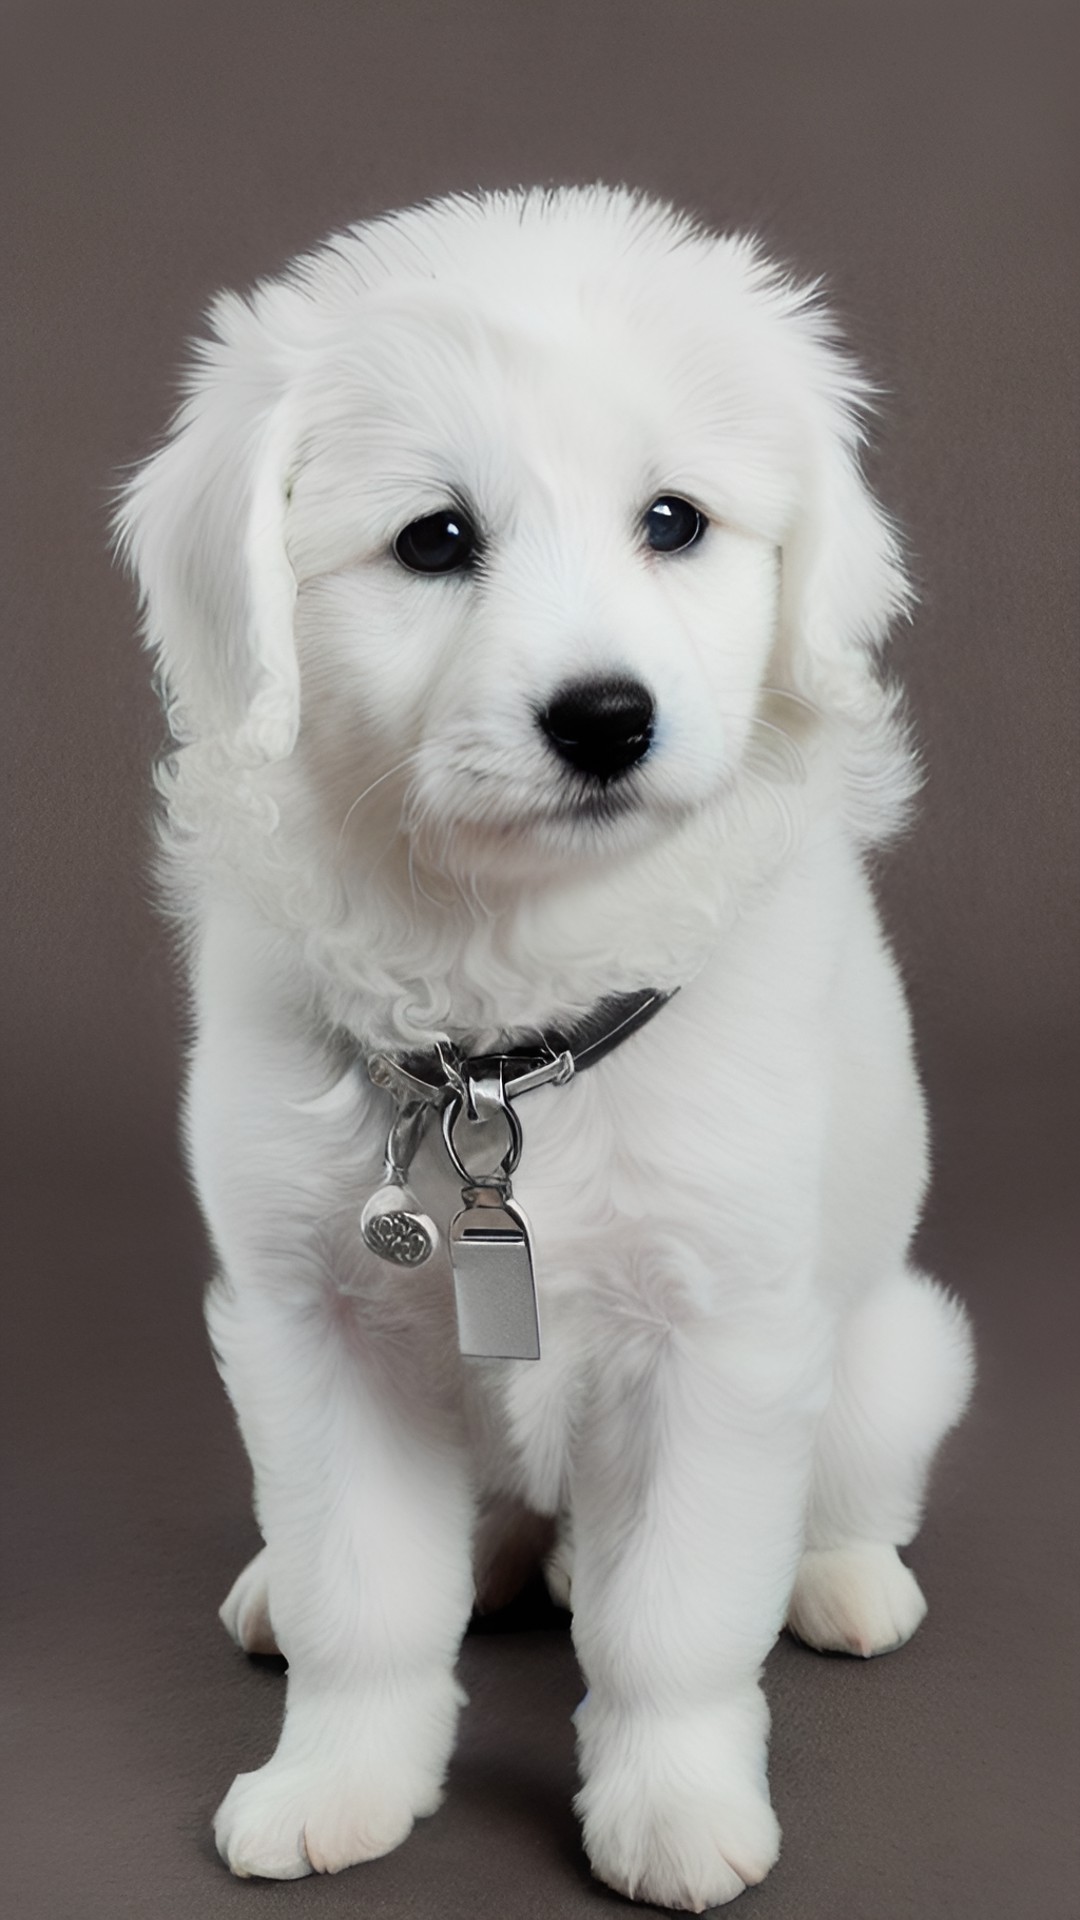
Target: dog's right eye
(442, 542)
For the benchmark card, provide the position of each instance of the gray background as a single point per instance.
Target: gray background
(916, 156)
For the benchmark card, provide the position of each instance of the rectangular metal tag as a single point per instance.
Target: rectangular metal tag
(494, 1285)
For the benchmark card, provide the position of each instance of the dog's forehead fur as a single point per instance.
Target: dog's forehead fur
(578, 352)
(540, 252)
(573, 441)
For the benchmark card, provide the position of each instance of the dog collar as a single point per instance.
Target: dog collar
(489, 1239)
(554, 1054)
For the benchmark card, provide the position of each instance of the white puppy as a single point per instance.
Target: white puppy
(515, 595)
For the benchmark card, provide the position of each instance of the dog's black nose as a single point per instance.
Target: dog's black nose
(601, 727)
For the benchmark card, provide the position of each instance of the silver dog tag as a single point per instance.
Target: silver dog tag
(392, 1224)
(394, 1227)
(494, 1286)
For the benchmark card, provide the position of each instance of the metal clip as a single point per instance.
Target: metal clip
(391, 1077)
(554, 1072)
(391, 1223)
(482, 1131)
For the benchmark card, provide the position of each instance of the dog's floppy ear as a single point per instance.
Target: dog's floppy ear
(843, 580)
(203, 526)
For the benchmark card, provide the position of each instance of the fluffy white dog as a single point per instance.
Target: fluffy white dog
(515, 594)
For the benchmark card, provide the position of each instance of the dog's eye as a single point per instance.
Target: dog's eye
(441, 542)
(671, 524)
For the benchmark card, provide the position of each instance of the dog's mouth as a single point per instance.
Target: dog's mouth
(588, 820)
(592, 804)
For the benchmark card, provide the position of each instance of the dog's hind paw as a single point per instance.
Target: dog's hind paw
(859, 1599)
(559, 1571)
(245, 1610)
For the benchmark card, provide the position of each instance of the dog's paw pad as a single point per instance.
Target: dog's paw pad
(245, 1611)
(860, 1600)
(284, 1821)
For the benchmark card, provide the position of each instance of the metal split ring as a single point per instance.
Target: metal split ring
(482, 1132)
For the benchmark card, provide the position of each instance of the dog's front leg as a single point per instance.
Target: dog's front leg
(688, 1495)
(362, 1497)
(343, 1377)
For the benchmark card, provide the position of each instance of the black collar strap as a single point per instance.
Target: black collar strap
(603, 1028)
(552, 1055)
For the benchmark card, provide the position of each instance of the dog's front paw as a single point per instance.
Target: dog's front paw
(859, 1599)
(351, 1774)
(245, 1610)
(287, 1820)
(676, 1812)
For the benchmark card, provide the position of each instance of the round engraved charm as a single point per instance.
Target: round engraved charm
(396, 1230)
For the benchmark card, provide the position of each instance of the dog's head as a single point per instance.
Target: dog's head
(514, 506)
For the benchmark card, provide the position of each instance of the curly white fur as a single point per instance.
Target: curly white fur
(365, 830)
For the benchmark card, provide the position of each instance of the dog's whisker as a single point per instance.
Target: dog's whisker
(419, 891)
(409, 759)
(797, 699)
(778, 803)
(781, 745)
(423, 828)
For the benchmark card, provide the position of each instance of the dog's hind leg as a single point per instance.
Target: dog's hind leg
(559, 1565)
(509, 1545)
(245, 1610)
(903, 1376)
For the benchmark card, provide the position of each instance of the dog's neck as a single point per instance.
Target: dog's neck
(409, 966)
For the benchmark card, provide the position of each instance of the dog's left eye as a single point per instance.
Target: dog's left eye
(441, 542)
(671, 524)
